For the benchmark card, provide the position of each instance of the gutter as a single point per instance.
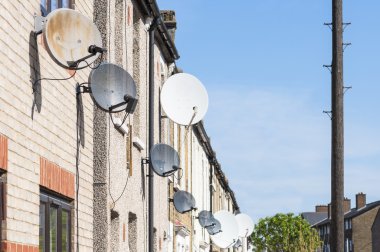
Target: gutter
(150, 7)
(200, 132)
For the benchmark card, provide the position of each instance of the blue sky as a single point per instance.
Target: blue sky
(261, 62)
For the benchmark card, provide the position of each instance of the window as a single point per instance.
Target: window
(49, 5)
(55, 224)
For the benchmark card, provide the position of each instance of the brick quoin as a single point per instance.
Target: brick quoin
(3, 152)
(56, 178)
(7, 246)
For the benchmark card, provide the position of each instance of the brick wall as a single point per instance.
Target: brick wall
(40, 122)
(361, 230)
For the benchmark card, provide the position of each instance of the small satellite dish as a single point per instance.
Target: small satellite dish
(184, 99)
(112, 88)
(164, 159)
(69, 35)
(238, 244)
(214, 228)
(206, 218)
(245, 225)
(183, 202)
(229, 230)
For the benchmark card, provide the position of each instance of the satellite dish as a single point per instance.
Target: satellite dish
(229, 230)
(164, 159)
(238, 244)
(69, 35)
(112, 88)
(214, 228)
(206, 218)
(183, 202)
(245, 224)
(184, 99)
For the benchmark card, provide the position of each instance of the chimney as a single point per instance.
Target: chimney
(346, 205)
(360, 200)
(321, 209)
(170, 22)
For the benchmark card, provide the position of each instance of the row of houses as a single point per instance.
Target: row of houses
(70, 179)
(361, 224)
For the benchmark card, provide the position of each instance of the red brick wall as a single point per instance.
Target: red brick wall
(56, 178)
(3, 152)
(7, 246)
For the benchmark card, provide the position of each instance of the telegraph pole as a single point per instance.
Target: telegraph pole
(337, 141)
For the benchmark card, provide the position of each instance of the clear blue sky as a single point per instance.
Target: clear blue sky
(261, 62)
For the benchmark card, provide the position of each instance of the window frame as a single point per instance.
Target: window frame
(49, 201)
(46, 5)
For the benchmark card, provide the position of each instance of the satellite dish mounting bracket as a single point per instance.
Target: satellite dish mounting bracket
(145, 161)
(39, 22)
(83, 89)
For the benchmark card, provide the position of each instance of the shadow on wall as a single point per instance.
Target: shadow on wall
(35, 73)
(80, 121)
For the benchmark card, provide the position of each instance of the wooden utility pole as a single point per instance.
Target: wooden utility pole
(337, 141)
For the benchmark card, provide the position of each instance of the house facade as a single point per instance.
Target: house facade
(71, 180)
(361, 226)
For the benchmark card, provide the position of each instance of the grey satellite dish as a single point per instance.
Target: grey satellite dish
(206, 218)
(238, 244)
(229, 230)
(112, 88)
(184, 99)
(183, 202)
(164, 159)
(71, 38)
(215, 228)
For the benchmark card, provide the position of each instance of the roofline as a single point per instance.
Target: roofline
(202, 136)
(363, 210)
(150, 8)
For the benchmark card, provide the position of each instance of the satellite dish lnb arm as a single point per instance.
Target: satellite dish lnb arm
(132, 102)
(93, 50)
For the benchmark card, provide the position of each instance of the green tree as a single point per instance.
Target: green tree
(285, 233)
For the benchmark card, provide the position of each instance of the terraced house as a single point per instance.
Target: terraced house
(70, 179)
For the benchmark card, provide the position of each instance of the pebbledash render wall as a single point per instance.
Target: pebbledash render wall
(120, 179)
(39, 127)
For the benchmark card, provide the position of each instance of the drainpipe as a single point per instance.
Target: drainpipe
(152, 29)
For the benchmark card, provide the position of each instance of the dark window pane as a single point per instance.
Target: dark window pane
(53, 229)
(42, 227)
(65, 231)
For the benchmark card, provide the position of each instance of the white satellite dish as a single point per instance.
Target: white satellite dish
(69, 36)
(245, 225)
(229, 230)
(184, 99)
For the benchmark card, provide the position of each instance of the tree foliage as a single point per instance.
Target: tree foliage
(285, 233)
